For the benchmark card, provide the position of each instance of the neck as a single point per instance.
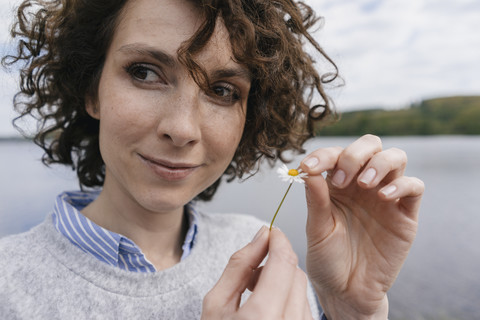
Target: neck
(159, 235)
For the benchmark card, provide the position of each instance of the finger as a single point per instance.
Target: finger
(389, 163)
(408, 190)
(237, 274)
(272, 290)
(295, 308)
(321, 160)
(320, 222)
(353, 158)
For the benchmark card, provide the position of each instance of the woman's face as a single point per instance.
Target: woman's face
(162, 138)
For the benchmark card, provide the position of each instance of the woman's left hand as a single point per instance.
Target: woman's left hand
(362, 220)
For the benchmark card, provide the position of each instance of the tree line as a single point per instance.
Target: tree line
(447, 116)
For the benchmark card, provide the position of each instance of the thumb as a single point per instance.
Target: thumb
(238, 274)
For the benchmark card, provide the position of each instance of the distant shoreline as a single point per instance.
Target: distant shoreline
(457, 115)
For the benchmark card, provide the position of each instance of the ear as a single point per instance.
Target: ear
(92, 108)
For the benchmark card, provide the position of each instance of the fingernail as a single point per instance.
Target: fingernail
(368, 176)
(389, 190)
(259, 233)
(311, 162)
(338, 178)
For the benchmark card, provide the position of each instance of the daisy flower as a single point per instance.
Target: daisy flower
(291, 176)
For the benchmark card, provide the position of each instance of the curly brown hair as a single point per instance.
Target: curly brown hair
(63, 44)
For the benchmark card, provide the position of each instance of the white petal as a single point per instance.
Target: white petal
(283, 170)
(297, 179)
(283, 174)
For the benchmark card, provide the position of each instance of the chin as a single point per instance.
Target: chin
(164, 204)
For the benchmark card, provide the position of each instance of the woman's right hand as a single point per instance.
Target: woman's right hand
(279, 288)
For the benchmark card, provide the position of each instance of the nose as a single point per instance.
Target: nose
(179, 124)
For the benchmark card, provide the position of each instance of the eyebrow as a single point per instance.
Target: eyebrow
(232, 73)
(149, 51)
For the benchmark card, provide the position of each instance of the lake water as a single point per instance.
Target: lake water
(441, 277)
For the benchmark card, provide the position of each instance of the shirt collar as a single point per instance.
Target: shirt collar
(103, 244)
(192, 215)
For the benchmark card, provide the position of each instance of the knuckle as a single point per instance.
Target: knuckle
(372, 139)
(328, 155)
(400, 154)
(348, 157)
(237, 258)
(208, 304)
(332, 153)
(394, 157)
(418, 185)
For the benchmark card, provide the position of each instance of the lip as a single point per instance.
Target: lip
(169, 170)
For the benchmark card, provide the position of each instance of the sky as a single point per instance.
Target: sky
(390, 53)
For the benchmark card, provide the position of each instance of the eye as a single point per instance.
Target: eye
(226, 93)
(144, 73)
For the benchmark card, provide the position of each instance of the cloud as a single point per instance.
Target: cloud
(393, 52)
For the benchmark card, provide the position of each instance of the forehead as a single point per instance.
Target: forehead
(166, 24)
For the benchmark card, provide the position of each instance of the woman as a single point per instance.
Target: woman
(154, 101)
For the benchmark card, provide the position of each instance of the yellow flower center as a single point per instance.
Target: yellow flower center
(293, 172)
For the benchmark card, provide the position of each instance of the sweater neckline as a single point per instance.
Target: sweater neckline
(123, 282)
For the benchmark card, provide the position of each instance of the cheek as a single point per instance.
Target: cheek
(121, 124)
(225, 135)
(115, 127)
(122, 113)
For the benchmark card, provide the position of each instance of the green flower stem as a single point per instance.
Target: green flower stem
(271, 224)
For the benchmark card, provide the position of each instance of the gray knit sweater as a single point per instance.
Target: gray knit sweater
(44, 276)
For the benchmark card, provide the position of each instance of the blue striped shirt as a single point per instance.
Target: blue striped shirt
(105, 245)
